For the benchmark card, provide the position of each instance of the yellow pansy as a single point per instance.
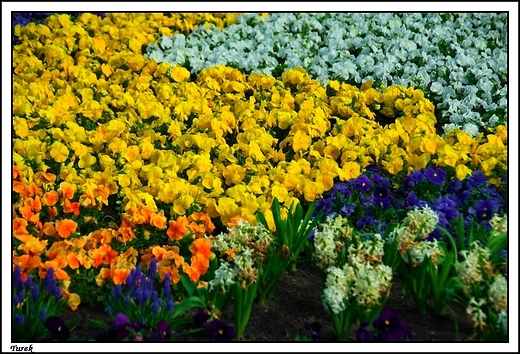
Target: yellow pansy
(233, 174)
(182, 203)
(117, 145)
(428, 146)
(179, 74)
(59, 152)
(462, 171)
(301, 141)
(86, 160)
(312, 190)
(20, 127)
(351, 170)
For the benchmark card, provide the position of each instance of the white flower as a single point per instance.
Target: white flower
(498, 293)
(477, 316)
(166, 42)
(470, 268)
(471, 129)
(225, 276)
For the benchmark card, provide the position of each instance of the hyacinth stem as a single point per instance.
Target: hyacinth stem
(243, 303)
(342, 323)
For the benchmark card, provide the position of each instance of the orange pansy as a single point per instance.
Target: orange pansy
(20, 227)
(177, 229)
(174, 274)
(119, 275)
(198, 230)
(53, 212)
(103, 274)
(18, 187)
(125, 232)
(71, 207)
(201, 246)
(57, 264)
(26, 211)
(66, 227)
(72, 260)
(48, 229)
(27, 262)
(32, 190)
(158, 220)
(67, 190)
(192, 272)
(45, 177)
(206, 220)
(200, 262)
(50, 198)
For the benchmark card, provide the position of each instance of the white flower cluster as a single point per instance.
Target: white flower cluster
(470, 269)
(477, 315)
(330, 239)
(225, 276)
(498, 224)
(363, 280)
(368, 251)
(459, 60)
(498, 293)
(411, 234)
(361, 284)
(245, 245)
(241, 236)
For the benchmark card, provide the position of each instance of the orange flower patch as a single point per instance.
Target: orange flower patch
(233, 222)
(33, 246)
(205, 219)
(198, 230)
(18, 187)
(158, 220)
(102, 276)
(50, 198)
(71, 207)
(102, 236)
(192, 272)
(201, 263)
(57, 250)
(66, 227)
(44, 177)
(26, 212)
(119, 275)
(58, 265)
(35, 220)
(178, 228)
(53, 212)
(125, 232)
(19, 227)
(67, 190)
(102, 255)
(17, 172)
(32, 190)
(48, 229)
(201, 246)
(27, 262)
(174, 274)
(35, 204)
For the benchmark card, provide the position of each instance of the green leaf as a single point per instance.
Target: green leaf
(188, 284)
(260, 218)
(188, 304)
(99, 324)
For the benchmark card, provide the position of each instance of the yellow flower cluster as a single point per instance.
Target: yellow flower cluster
(91, 109)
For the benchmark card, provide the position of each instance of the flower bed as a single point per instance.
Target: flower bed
(153, 180)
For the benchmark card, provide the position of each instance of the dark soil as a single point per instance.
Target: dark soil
(296, 302)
